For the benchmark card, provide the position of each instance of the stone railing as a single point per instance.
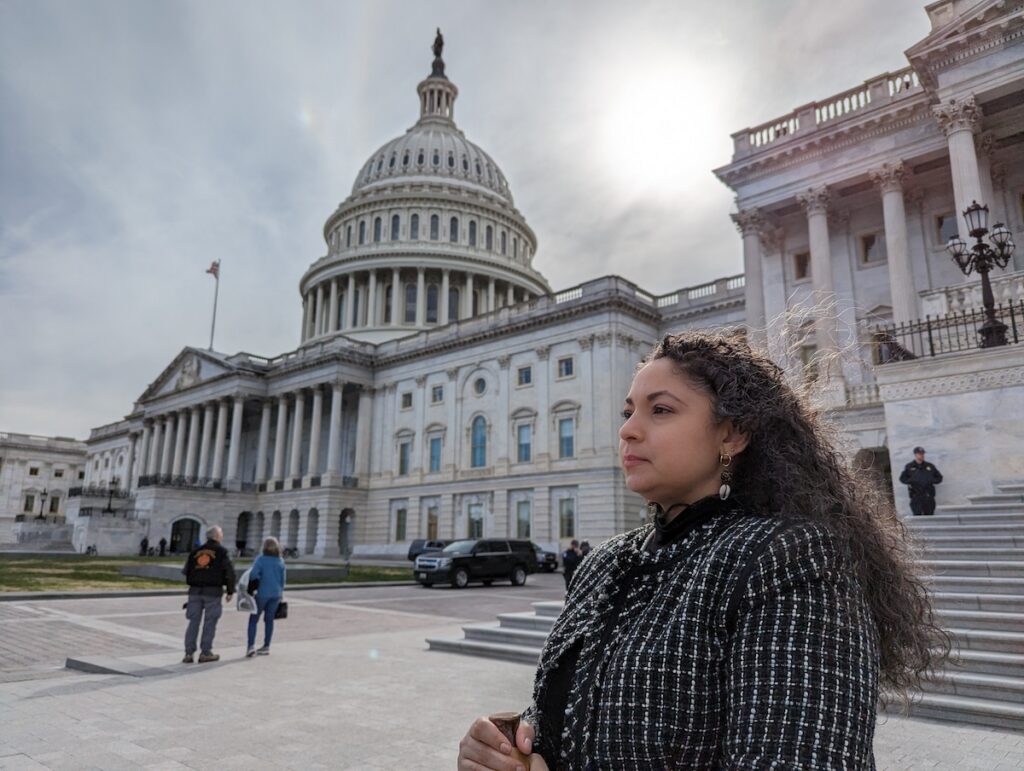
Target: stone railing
(863, 395)
(885, 89)
(93, 491)
(1007, 288)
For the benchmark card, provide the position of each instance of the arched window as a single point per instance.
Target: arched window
(356, 305)
(380, 164)
(362, 232)
(419, 158)
(414, 227)
(394, 227)
(387, 304)
(453, 303)
(405, 159)
(476, 302)
(391, 163)
(432, 304)
(348, 236)
(453, 230)
(504, 241)
(472, 233)
(478, 171)
(515, 248)
(478, 458)
(410, 303)
(451, 160)
(436, 159)
(489, 238)
(377, 225)
(465, 163)
(435, 227)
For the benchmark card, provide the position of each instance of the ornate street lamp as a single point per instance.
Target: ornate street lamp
(42, 504)
(982, 257)
(110, 494)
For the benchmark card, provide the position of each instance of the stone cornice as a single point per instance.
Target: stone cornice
(953, 384)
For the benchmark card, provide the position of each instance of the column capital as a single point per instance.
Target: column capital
(542, 352)
(504, 361)
(772, 238)
(749, 222)
(421, 380)
(452, 373)
(958, 115)
(604, 339)
(587, 342)
(889, 177)
(816, 200)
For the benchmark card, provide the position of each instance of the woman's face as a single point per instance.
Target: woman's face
(669, 443)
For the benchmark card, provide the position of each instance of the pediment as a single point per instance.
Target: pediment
(189, 368)
(956, 23)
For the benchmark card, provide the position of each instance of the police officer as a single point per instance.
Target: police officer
(921, 477)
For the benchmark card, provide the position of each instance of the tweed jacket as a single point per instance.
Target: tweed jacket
(746, 644)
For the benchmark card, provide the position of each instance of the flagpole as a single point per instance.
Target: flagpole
(216, 287)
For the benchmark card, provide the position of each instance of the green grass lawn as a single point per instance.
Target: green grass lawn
(70, 574)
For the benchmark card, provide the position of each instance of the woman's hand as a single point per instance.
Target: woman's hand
(485, 748)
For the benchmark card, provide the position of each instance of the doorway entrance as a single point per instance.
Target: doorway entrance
(184, 534)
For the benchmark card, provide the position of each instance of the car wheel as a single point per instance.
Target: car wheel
(461, 579)
(519, 576)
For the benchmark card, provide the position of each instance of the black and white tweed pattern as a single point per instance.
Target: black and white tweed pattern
(747, 644)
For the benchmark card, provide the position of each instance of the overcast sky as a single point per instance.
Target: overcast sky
(141, 140)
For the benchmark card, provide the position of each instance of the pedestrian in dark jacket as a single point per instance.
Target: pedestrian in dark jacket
(921, 478)
(209, 574)
(755, 620)
(163, 546)
(268, 574)
(571, 558)
(143, 546)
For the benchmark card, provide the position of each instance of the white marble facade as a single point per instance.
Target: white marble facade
(36, 475)
(441, 388)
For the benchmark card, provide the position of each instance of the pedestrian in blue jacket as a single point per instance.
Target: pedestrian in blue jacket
(267, 579)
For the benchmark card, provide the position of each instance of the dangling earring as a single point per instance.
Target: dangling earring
(726, 460)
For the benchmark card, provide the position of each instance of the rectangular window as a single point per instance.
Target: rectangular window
(407, 400)
(523, 519)
(945, 228)
(524, 441)
(872, 248)
(566, 439)
(435, 454)
(30, 504)
(403, 458)
(566, 518)
(475, 525)
(81, 475)
(400, 518)
(437, 394)
(432, 523)
(33, 471)
(58, 473)
(809, 361)
(55, 505)
(524, 376)
(566, 367)
(802, 265)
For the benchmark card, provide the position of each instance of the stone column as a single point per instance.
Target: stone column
(986, 145)
(313, 466)
(279, 438)
(371, 300)
(235, 447)
(363, 434)
(750, 223)
(542, 452)
(445, 288)
(332, 322)
(450, 448)
(319, 310)
(305, 317)
(397, 311)
(889, 180)
(193, 444)
(217, 472)
(179, 443)
(204, 443)
(490, 295)
(419, 449)
(468, 300)
(350, 301)
(168, 449)
(959, 119)
(264, 441)
(421, 297)
(147, 433)
(295, 464)
(510, 295)
(327, 534)
(334, 430)
(129, 472)
(153, 461)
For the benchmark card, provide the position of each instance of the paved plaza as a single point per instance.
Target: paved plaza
(349, 684)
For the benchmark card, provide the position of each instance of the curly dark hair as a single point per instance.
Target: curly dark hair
(792, 469)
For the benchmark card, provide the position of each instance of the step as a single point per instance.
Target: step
(1008, 498)
(987, 514)
(1000, 603)
(972, 685)
(1005, 541)
(525, 638)
(987, 663)
(1014, 487)
(981, 619)
(963, 709)
(974, 584)
(1008, 554)
(526, 621)
(953, 530)
(548, 608)
(987, 640)
(513, 653)
(965, 568)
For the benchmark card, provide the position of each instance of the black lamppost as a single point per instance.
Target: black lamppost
(42, 504)
(983, 258)
(110, 494)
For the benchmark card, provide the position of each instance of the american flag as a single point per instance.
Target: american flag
(214, 269)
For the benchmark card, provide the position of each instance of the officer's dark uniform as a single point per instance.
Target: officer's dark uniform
(922, 478)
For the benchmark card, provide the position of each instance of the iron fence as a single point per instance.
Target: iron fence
(951, 333)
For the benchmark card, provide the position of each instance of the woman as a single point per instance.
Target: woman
(269, 571)
(753, 623)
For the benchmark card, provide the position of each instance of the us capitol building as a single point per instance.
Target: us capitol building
(440, 387)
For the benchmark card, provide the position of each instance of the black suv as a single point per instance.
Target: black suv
(546, 560)
(423, 545)
(486, 560)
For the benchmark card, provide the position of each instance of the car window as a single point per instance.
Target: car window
(495, 546)
(459, 547)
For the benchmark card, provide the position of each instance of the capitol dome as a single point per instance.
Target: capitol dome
(430, 230)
